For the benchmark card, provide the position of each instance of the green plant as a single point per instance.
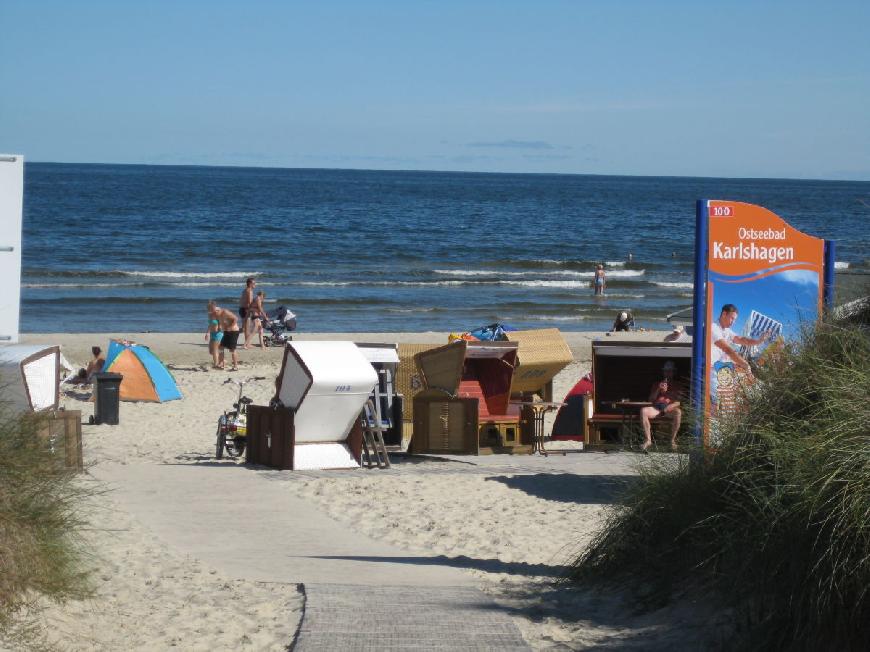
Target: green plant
(41, 554)
(775, 524)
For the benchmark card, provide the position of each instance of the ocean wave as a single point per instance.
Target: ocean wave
(546, 284)
(547, 318)
(211, 284)
(614, 263)
(412, 310)
(477, 272)
(241, 275)
(80, 286)
(617, 273)
(841, 264)
(140, 284)
(669, 284)
(114, 273)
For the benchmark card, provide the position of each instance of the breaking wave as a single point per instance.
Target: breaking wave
(668, 284)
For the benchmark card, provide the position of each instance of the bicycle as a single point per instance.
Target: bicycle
(232, 428)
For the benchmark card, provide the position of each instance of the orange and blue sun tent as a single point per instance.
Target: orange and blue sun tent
(146, 378)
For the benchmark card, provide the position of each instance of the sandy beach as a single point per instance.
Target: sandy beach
(511, 523)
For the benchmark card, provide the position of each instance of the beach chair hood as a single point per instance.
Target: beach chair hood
(326, 385)
(30, 377)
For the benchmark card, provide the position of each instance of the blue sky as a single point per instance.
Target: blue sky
(791, 298)
(742, 89)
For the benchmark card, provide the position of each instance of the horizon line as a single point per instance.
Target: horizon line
(435, 171)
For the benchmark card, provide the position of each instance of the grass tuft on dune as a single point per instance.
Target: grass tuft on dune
(41, 553)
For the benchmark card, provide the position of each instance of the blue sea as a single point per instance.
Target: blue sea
(130, 248)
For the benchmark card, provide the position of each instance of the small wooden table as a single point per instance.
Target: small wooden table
(539, 409)
(628, 409)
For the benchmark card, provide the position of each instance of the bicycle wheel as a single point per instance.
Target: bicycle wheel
(219, 440)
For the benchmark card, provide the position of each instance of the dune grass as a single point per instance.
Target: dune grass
(775, 526)
(41, 554)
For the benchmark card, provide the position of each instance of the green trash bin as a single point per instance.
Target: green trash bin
(107, 398)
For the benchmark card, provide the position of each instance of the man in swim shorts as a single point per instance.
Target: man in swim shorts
(665, 398)
(246, 301)
(230, 326)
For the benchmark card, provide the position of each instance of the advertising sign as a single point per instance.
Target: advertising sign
(758, 282)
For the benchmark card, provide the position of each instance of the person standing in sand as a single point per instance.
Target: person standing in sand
(214, 335)
(257, 315)
(600, 281)
(246, 301)
(229, 324)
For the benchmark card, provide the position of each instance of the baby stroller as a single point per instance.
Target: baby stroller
(276, 331)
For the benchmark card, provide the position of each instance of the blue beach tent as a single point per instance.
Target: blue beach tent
(146, 378)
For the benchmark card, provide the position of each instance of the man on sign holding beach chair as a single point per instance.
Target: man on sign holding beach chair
(727, 365)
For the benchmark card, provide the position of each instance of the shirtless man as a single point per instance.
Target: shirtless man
(665, 398)
(246, 301)
(230, 326)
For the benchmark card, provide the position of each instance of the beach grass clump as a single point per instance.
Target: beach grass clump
(42, 556)
(774, 525)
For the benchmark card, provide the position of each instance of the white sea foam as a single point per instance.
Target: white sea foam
(624, 273)
(667, 284)
(411, 310)
(79, 286)
(616, 273)
(183, 284)
(546, 318)
(614, 263)
(213, 284)
(479, 272)
(547, 284)
(189, 274)
(841, 264)
(497, 272)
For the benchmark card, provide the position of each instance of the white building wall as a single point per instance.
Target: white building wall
(11, 207)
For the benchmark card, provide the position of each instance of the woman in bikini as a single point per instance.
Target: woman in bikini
(213, 335)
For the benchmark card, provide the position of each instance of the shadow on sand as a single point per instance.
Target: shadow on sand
(569, 487)
(486, 565)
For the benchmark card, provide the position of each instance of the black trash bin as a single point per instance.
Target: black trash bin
(107, 396)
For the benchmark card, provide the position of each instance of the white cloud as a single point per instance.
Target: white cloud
(800, 276)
